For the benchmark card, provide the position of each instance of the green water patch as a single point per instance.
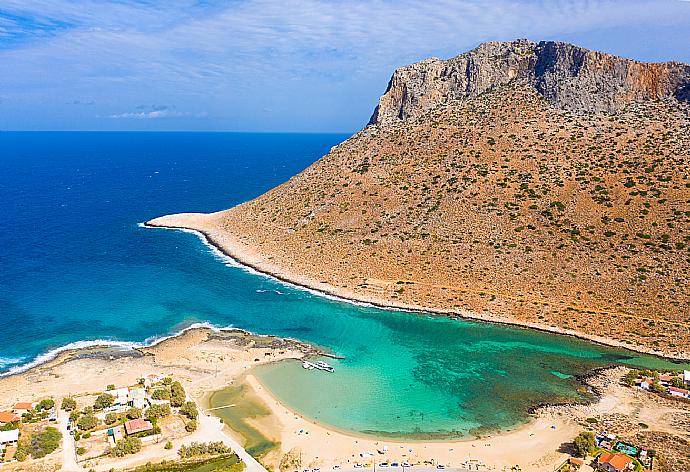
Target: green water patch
(416, 376)
(239, 404)
(225, 463)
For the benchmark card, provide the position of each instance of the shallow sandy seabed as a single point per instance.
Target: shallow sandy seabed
(206, 361)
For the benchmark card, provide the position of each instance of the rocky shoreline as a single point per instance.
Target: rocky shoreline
(595, 380)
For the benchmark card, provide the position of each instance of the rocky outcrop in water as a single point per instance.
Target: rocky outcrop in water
(569, 77)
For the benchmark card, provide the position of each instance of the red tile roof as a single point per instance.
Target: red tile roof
(23, 406)
(576, 461)
(617, 461)
(137, 426)
(8, 417)
(679, 390)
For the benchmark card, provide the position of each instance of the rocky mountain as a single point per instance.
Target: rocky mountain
(539, 184)
(568, 76)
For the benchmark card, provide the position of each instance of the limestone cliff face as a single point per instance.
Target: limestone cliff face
(569, 77)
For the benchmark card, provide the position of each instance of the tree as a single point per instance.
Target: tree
(201, 449)
(9, 426)
(69, 404)
(584, 443)
(167, 381)
(677, 382)
(129, 445)
(656, 387)
(630, 377)
(177, 394)
(46, 404)
(110, 418)
(168, 445)
(103, 401)
(157, 411)
(191, 426)
(133, 413)
(110, 387)
(161, 394)
(189, 410)
(74, 416)
(87, 422)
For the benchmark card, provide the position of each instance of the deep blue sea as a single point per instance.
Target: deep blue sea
(76, 267)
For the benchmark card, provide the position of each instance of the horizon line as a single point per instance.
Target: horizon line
(169, 131)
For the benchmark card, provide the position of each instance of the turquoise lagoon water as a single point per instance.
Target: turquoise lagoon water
(76, 268)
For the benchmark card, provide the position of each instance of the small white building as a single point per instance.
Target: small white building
(9, 438)
(686, 377)
(152, 379)
(120, 396)
(137, 398)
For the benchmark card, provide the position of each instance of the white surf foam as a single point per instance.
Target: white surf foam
(52, 354)
(5, 361)
(232, 262)
(121, 345)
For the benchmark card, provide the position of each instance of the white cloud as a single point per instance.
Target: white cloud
(251, 55)
(155, 114)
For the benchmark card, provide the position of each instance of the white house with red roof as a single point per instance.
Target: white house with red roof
(679, 392)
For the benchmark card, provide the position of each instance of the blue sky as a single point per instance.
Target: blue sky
(258, 65)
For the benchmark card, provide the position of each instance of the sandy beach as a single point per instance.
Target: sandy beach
(533, 446)
(540, 445)
(210, 227)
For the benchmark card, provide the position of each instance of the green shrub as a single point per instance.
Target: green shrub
(45, 442)
(157, 411)
(126, 446)
(189, 410)
(191, 426)
(584, 443)
(161, 394)
(9, 426)
(202, 449)
(103, 401)
(22, 454)
(177, 394)
(87, 422)
(46, 404)
(69, 404)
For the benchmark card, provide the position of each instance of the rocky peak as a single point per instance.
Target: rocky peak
(570, 77)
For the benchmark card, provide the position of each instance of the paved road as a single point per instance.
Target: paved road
(213, 424)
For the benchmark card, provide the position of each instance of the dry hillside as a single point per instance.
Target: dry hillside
(501, 202)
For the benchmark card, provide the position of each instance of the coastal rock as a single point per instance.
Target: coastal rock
(570, 77)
